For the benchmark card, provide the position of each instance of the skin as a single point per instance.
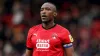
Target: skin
(48, 12)
(28, 52)
(69, 51)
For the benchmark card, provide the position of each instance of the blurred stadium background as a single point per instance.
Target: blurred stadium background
(80, 17)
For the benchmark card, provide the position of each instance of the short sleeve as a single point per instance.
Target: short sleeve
(67, 39)
(29, 41)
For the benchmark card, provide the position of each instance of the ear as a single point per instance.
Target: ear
(55, 14)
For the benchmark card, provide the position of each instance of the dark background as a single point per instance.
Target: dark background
(80, 17)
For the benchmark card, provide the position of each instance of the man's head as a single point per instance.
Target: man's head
(48, 12)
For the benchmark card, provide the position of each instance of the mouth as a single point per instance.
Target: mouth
(44, 17)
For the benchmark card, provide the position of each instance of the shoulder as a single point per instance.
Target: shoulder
(34, 28)
(62, 29)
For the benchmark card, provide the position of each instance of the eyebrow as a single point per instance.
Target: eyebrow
(46, 7)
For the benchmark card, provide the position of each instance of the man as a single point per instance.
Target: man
(49, 38)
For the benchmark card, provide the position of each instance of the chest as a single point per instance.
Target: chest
(46, 39)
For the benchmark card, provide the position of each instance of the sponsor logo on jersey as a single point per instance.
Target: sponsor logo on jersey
(41, 43)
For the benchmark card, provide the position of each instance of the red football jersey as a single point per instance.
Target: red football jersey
(48, 42)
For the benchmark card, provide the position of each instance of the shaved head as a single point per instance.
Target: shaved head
(51, 5)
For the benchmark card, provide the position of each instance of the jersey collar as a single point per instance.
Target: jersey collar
(50, 27)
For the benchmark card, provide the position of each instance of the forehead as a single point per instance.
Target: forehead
(48, 5)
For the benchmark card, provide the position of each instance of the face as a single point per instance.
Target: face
(47, 12)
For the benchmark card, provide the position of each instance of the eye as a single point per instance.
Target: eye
(41, 9)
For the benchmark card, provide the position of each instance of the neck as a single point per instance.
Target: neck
(48, 25)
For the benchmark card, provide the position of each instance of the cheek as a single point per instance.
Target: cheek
(50, 14)
(40, 13)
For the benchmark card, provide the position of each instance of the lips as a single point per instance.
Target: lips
(44, 16)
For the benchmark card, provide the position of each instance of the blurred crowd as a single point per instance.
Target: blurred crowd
(80, 17)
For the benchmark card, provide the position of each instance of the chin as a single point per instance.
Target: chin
(45, 21)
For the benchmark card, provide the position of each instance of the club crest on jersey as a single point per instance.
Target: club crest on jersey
(54, 35)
